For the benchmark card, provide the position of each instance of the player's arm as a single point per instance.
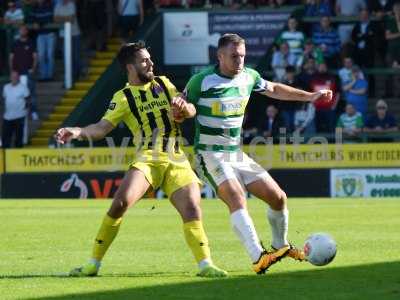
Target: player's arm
(181, 109)
(93, 132)
(284, 92)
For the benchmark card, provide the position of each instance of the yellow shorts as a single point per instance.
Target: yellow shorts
(167, 171)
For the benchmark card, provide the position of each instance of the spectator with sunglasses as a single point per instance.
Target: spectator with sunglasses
(381, 120)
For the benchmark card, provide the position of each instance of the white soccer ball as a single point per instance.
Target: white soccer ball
(320, 249)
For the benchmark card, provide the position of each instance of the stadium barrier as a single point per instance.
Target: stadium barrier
(102, 185)
(282, 156)
(317, 170)
(365, 183)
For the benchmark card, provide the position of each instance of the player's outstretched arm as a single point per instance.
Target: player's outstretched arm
(284, 92)
(94, 132)
(181, 109)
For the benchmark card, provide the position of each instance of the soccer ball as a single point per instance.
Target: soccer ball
(320, 249)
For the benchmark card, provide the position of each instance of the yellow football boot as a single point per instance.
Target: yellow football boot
(267, 259)
(212, 271)
(88, 270)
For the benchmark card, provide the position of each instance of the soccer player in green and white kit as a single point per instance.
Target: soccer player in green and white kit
(220, 95)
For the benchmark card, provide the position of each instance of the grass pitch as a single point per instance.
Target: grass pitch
(42, 240)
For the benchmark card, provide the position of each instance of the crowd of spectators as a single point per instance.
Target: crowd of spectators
(314, 53)
(320, 53)
(35, 37)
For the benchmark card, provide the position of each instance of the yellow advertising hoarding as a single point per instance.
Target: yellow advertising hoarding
(326, 156)
(277, 157)
(1, 162)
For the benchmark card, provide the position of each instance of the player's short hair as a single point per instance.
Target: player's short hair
(127, 53)
(230, 38)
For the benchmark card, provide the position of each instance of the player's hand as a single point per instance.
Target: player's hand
(325, 95)
(65, 135)
(179, 108)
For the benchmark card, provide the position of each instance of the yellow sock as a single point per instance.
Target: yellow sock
(197, 240)
(107, 232)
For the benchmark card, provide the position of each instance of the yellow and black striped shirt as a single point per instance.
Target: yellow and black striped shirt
(146, 111)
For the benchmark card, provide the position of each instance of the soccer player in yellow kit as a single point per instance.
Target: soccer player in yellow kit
(150, 107)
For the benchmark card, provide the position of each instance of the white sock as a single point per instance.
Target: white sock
(279, 221)
(205, 263)
(243, 226)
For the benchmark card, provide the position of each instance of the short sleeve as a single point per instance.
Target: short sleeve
(359, 122)
(116, 109)
(172, 90)
(26, 91)
(192, 90)
(260, 84)
(340, 122)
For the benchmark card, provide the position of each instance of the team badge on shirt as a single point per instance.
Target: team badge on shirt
(243, 91)
(112, 105)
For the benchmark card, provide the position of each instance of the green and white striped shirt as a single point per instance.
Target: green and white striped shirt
(220, 102)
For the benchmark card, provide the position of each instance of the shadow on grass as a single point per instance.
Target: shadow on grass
(27, 276)
(374, 281)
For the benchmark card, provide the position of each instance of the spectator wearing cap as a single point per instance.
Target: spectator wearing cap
(14, 95)
(356, 91)
(327, 39)
(350, 122)
(381, 120)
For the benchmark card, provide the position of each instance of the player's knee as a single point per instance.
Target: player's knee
(121, 201)
(192, 211)
(278, 200)
(281, 200)
(237, 202)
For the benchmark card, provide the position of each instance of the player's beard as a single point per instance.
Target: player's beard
(145, 77)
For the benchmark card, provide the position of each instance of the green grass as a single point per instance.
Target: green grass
(42, 240)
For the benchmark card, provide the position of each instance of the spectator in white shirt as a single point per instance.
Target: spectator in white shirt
(14, 16)
(131, 16)
(304, 119)
(14, 95)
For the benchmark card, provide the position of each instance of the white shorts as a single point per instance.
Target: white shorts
(216, 167)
